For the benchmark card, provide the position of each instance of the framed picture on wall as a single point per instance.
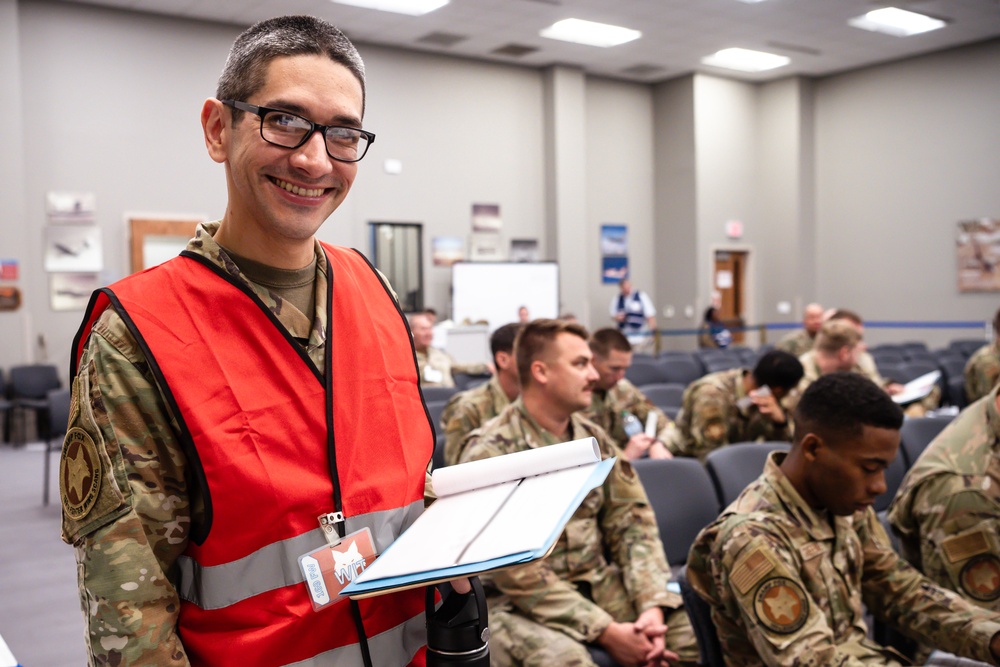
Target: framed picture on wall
(978, 250)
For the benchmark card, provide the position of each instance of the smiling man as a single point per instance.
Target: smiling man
(605, 582)
(788, 565)
(221, 426)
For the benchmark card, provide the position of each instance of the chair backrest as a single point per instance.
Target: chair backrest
(917, 433)
(438, 393)
(434, 409)
(956, 392)
(913, 369)
(33, 381)
(682, 497)
(723, 364)
(894, 475)
(700, 613)
(468, 381)
(680, 370)
(58, 412)
(733, 467)
(664, 394)
(892, 371)
(966, 346)
(437, 460)
(887, 356)
(645, 372)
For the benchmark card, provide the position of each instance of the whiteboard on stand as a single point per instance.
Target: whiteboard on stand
(494, 291)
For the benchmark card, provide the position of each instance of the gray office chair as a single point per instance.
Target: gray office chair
(733, 467)
(645, 372)
(917, 433)
(29, 386)
(58, 413)
(438, 393)
(664, 394)
(682, 497)
(681, 370)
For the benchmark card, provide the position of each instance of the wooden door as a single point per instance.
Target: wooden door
(730, 281)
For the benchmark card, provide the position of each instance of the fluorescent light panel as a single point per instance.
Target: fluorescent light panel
(896, 22)
(746, 60)
(590, 33)
(408, 7)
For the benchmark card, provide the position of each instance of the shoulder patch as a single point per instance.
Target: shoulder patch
(750, 569)
(79, 473)
(781, 605)
(980, 578)
(962, 547)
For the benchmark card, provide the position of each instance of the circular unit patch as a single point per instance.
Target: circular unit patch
(781, 605)
(980, 578)
(80, 473)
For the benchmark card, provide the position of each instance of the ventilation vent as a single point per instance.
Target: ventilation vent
(444, 39)
(514, 50)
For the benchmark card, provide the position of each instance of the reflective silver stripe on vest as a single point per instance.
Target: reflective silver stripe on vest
(395, 646)
(277, 564)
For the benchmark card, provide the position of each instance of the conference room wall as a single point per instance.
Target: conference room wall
(903, 152)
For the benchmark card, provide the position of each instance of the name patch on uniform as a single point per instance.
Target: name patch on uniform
(750, 569)
(811, 550)
(781, 605)
(962, 547)
(79, 474)
(980, 578)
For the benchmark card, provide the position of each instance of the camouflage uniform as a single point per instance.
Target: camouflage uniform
(982, 371)
(788, 585)
(467, 411)
(129, 540)
(442, 366)
(608, 564)
(711, 417)
(607, 409)
(796, 343)
(947, 511)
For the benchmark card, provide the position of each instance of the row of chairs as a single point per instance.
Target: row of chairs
(686, 496)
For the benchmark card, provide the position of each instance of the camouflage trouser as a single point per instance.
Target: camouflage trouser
(516, 641)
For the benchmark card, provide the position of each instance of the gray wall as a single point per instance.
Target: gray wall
(849, 187)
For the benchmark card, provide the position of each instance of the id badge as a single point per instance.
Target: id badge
(328, 569)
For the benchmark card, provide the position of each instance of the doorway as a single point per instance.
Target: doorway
(397, 251)
(729, 276)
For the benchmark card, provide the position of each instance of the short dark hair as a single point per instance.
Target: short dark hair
(603, 341)
(778, 369)
(849, 315)
(503, 338)
(251, 53)
(839, 405)
(535, 337)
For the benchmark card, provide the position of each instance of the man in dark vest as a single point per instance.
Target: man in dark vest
(222, 427)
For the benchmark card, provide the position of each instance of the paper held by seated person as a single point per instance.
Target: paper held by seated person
(489, 514)
(917, 389)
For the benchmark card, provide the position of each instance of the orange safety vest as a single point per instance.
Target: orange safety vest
(272, 444)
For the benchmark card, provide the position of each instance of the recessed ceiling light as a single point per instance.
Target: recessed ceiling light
(746, 60)
(590, 33)
(896, 22)
(409, 7)
(751, 2)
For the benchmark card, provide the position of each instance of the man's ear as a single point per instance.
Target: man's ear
(215, 125)
(539, 372)
(502, 360)
(810, 445)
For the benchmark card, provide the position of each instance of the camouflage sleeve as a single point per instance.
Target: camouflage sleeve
(125, 508)
(633, 540)
(981, 373)
(765, 599)
(897, 593)
(709, 429)
(459, 423)
(641, 407)
(949, 530)
(471, 369)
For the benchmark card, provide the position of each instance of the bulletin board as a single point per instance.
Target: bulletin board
(494, 291)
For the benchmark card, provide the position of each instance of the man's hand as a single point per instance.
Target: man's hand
(627, 645)
(769, 406)
(659, 451)
(637, 446)
(894, 388)
(619, 317)
(651, 624)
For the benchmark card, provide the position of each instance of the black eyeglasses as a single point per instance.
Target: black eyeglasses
(285, 129)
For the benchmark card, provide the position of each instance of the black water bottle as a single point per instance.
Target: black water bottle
(458, 631)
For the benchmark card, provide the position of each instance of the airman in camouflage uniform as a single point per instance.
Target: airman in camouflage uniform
(140, 519)
(790, 566)
(982, 371)
(947, 511)
(615, 397)
(727, 407)
(607, 573)
(468, 410)
(436, 366)
(801, 340)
